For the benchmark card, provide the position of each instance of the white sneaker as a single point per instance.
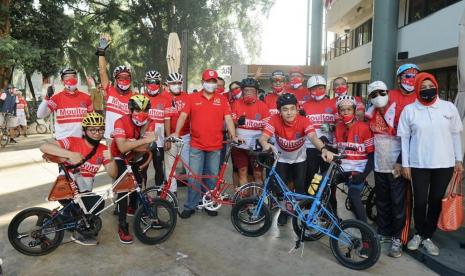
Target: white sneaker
(79, 239)
(430, 247)
(414, 243)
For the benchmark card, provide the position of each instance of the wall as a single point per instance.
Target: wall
(355, 60)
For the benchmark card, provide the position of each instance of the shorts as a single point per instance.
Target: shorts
(11, 121)
(21, 119)
(241, 159)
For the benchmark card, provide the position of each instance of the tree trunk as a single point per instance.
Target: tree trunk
(31, 87)
(5, 29)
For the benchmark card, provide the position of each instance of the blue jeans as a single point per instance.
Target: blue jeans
(201, 162)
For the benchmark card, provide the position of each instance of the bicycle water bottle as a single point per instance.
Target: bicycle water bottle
(313, 188)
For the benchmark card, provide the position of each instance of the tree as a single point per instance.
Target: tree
(5, 43)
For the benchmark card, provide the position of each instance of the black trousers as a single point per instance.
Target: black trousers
(390, 204)
(158, 156)
(293, 172)
(315, 164)
(123, 204)
(429, 187)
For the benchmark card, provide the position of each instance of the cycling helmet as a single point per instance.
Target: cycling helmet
(93, 119)
(139, 102)
(174, 77)
(316, 80)
(121, 69)
(153, 75)
(297, 70)
(405, 67)
(67, 71)
(250, 82)
(346, 100)
(285, 99)
(278, 73)
(238, 83)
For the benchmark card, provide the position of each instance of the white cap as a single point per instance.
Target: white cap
(376, 85)
(316, 80)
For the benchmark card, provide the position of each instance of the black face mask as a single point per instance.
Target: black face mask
(428, 95)
(92, 141)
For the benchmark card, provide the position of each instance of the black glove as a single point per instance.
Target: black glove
(102, 46)
(241, 121)
(50, 92)
(302, 112)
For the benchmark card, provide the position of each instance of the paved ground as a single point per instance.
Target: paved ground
(199, 246)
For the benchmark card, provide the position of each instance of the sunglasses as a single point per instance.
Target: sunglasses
(152, 82)
(409, 76)
(375, 94)
(96, 130)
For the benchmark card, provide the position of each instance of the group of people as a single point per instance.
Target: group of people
(14, 112)
(407, 135)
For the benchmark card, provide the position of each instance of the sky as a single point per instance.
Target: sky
(284, 34)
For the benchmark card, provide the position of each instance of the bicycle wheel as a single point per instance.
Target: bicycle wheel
(28, 235)
(154, 192)
(370, 205)
(4, 139)
(41, 128)
(357, 246)
(310, 234)
(244, 221)
(155, 225)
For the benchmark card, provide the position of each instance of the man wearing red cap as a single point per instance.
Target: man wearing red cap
(296, 87)
(208, 112)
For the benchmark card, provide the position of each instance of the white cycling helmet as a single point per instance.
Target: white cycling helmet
(316, 80)
(174, 77)
(153, 75)
(346, 100)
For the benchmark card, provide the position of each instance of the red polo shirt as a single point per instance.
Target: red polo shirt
(207, 120)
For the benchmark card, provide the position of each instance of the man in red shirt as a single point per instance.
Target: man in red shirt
(290, 131)
(208, 112)
(278, 80)
(249, 114)
(69, 105)
(295, 86)
(404, 95)
(134, 131)
(75, 150)
(320, 112)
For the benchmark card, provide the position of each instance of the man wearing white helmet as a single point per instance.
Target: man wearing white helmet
(383, 117)
(320, 111)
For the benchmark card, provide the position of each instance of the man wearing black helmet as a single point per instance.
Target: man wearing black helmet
(290, 131)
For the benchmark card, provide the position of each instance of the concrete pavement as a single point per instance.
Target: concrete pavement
(201, 245)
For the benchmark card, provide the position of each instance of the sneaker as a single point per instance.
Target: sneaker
(282, 218)
(430, 247)
(395, 250)
(211, 213)
(130, 212)
(384, 239)
(414, 243)
(78, 238)
(123, 233)
(13, 141)
(186, 213)
(363, 253)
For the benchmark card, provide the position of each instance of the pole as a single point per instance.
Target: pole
(307, 50)
(317, 32)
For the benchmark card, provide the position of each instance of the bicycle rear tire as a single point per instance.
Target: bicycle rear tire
(41, 128)
(244, 209)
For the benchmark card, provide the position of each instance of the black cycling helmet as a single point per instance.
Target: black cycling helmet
(285, 99)
(278, 73)
(238, 83)
(250, 82)
(67, 71)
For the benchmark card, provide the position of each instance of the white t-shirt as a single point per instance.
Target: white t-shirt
(430, 130)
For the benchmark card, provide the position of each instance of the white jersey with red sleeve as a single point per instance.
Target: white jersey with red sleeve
(358, 136)
(290, 137)
(319, 113)
(159, 111)
(69, 111)
(256, 115)
(116, 107)
(88, 170)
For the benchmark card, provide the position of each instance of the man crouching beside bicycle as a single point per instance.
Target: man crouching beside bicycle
(290, 130)
(84, 157)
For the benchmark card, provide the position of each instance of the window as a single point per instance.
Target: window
(418, 9)
(353, 39)
(362, 34)
(447, 81)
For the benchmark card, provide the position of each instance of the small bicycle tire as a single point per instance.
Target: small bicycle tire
(309, 234)
(41, 128)
(245, 223)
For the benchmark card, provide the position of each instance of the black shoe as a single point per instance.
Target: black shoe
(211, 213)
(13, 141)
(282, 219)
(186, 213)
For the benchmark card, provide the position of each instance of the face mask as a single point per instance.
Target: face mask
(175, 88)
(341, 90)
(220, 90)
(295, 82)
(70, 84)
(318, 93)
(123, 84)
(209, 87)
(380, 101)
(236, 93)
(407, 84)
(250, 99)
(153, 89)
(347, 119)
(92, 141)
(427, 96)
(140, 119)
(277, 90)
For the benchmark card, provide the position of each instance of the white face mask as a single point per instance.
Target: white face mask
(380, 101)
(319, 98)
(209, 87)
(175, 88)
(124, 87)
(71, 88)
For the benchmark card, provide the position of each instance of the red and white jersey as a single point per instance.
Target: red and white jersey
(89, 169)
(178, 102)
(20, 106)
(358, 136)
(402, 100)
(302, 94)
(319, 113)
(126, 129)
(290, 137)
(116, 107)
(69, 111)
(270, 100)
(159, 111)
(255, 117)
